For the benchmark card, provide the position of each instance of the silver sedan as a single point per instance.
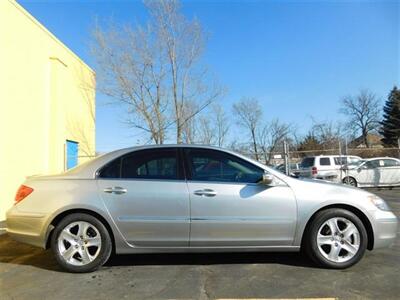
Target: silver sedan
(181, 198)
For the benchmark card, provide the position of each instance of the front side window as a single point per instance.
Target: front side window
(212, 165)
(372, 164)
(144, 164)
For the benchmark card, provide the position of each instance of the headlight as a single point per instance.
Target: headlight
(378, 202)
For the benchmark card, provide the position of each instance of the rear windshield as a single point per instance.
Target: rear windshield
(307, 162)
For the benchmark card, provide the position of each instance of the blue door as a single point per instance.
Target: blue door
(72, 154)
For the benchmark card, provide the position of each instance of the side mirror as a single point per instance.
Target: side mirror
(267, 179)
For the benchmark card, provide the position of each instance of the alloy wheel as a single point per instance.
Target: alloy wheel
(350, 181)
(338, 240)
(79, 243)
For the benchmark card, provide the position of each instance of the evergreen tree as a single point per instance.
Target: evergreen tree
(310, 142)
(390, 129)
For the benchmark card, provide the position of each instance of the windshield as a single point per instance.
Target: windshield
(356, 162)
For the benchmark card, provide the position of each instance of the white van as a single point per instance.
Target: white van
(325, 167)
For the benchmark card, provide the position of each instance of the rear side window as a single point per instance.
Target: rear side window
(112, 169)
(307, 162)
(145, 164)
(324, 161)
(391, 163)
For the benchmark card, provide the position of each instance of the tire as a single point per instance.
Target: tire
(350, 181)
(339, 249)
(81, 243)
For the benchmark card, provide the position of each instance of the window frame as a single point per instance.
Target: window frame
(179, 164)
(188, 166)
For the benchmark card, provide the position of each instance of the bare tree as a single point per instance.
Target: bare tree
(206, 132)
(221, 124)
(132, 70)
(271, 137)
(212, 126)
(327, 133)
(155, 70)
(183, 42)
(249, 112)
(189, 128)
(363, 111)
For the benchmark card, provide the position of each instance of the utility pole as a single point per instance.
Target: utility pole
(398, 144)
(285, 154)
(341, 160)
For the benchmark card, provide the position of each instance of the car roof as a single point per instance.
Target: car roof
(89, 168)
(337, 155)
(383, 157)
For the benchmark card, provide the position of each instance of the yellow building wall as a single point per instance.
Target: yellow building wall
(47, 96)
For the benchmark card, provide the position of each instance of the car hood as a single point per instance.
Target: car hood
(325, 191)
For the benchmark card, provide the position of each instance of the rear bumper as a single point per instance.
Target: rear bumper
(26, 227)
(385, 227)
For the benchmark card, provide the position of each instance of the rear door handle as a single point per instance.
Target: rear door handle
(115, 190)
(205, 192)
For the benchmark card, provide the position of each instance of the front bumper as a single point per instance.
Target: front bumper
(26, 227)
(385, 228)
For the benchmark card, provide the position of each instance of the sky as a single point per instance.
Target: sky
(298, 58)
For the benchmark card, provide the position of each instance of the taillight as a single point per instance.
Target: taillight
(22, 193)
(314, 170)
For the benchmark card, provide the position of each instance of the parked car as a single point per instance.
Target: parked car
(292, 167)
(181, 198)
(327, 167)
(374, 172)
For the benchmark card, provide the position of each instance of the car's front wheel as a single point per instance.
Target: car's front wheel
(336, 238)
(350, 181)
(81, 243)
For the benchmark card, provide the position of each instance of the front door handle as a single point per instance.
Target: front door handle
(205, 192)
(115, 190)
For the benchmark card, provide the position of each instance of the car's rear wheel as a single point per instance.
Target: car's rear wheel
(336, 239)
(81, 243)
(350, 181)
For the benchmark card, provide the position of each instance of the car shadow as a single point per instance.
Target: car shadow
(15, 253)
(290, 259)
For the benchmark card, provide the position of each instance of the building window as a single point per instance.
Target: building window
(72, 154)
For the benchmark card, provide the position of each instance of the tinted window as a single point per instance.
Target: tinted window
(391, 163)
(150, 164)
(307, 162)
(324, 161)
(372, 164)
(111, 170)
(211, 165)
(146, 164)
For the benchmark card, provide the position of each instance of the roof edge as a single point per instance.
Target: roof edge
(48, 32)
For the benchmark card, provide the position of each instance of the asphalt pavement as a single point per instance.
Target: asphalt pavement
(31, 273)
